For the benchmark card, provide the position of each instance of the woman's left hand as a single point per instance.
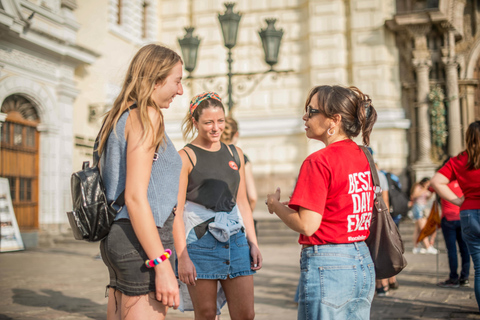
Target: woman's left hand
(257, 259)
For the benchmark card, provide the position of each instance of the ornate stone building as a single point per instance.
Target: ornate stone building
(439, 46)
(38, 57)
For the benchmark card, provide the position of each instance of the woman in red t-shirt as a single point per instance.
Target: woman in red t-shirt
(331, 207)
(465, 168)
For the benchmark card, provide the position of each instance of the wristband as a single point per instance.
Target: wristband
(163, 257)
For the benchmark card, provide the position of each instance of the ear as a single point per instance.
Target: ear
(195, 123)
(337, 118)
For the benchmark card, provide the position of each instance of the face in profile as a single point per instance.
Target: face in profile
(164, 93)
(316, 124)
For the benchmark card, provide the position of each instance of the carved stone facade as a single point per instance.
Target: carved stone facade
(38, 57)
(439, 49)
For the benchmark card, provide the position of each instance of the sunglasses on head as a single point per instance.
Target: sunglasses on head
(312, 111)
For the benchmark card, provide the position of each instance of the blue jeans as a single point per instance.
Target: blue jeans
(470, 221)
(452, 233)
(337, 281)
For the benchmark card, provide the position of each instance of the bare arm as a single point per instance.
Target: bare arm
(385, 198)
(440, 184)
(186, 269)
(139, 166)
(247, 216)
(304, 221)
(250, 184)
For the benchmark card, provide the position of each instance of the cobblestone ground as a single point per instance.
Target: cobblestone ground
(66, 282)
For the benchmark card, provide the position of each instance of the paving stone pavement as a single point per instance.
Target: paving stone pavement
(65, 282)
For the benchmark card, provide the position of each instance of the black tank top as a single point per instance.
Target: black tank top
(214, 179)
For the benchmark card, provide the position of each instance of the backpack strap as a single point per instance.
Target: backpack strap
(236, 157)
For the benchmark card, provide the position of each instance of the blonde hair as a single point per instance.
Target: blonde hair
(150, 65)
(188, 129)
(231, 129)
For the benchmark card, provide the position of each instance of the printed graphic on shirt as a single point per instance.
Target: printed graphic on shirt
(233, 165)
(360, 189)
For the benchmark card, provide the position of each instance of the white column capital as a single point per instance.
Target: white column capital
(3, 117)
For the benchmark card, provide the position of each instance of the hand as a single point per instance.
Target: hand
(272, 199)
(166, 285)
(186, 270)
(257, 262)
(459, 201)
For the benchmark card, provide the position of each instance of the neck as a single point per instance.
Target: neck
(334, 138)
(207, 144)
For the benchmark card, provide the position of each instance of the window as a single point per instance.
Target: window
(12, 182)
(6, 133)
(25, 190)
(30, 137)
(144, 19)
(17, 134)
(119, 11)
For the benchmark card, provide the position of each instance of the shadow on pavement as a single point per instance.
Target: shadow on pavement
(58, 301)
(5, 317)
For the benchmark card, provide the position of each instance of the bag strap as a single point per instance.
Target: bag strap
(373, 169)
(236, 157)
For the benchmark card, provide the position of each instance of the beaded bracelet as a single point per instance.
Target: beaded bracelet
(163, 257)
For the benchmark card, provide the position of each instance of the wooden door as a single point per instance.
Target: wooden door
(19, 163)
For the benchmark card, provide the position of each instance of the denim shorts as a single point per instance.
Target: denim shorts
(221, 260)
(125, 258)
(419, 211)
(337, 281)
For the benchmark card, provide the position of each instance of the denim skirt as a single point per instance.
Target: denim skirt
(337, 281)
(217, 260)
(125, 258)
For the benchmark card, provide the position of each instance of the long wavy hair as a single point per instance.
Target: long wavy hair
(231, 129)
(151, 65)
(472, 141)
(355, 107)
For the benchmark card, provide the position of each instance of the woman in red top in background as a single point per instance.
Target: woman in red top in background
(331, 207)
(452, 233)
(465, 168)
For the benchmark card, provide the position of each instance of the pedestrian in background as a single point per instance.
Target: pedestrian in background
(331, 207)
(452, 233)
(230, 136)
(465, 168)
(421, 197)
(138, 157)
(214, 231)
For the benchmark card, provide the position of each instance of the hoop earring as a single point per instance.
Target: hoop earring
(330, 133)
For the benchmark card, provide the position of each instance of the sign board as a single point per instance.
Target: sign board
(10, 238)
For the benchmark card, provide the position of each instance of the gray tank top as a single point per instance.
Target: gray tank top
(163, 186)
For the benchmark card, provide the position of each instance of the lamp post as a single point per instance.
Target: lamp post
(229, 23)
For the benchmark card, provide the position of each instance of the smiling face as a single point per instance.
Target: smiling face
(317, 125)
(163, 93)
(210, 124)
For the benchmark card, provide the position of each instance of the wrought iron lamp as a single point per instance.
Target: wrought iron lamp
(229, 23)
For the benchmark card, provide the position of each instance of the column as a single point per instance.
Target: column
(454, 115)
(3, 117)
(424, 166)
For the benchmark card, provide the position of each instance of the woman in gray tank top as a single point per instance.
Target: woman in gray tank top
(214, 231)
(137, 157)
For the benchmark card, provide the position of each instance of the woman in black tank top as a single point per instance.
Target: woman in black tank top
(214, 232)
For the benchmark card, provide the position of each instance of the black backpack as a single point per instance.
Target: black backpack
(397, 198)
(92, 215)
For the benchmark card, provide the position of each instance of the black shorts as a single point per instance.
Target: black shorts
(125, 258)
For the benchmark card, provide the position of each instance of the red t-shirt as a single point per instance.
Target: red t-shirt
(336, 182)
(450, 211)
(469, 180)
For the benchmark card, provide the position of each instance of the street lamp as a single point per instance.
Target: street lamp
(229, 23)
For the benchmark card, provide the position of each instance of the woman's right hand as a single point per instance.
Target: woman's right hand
(186, 271)
(166, 285)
